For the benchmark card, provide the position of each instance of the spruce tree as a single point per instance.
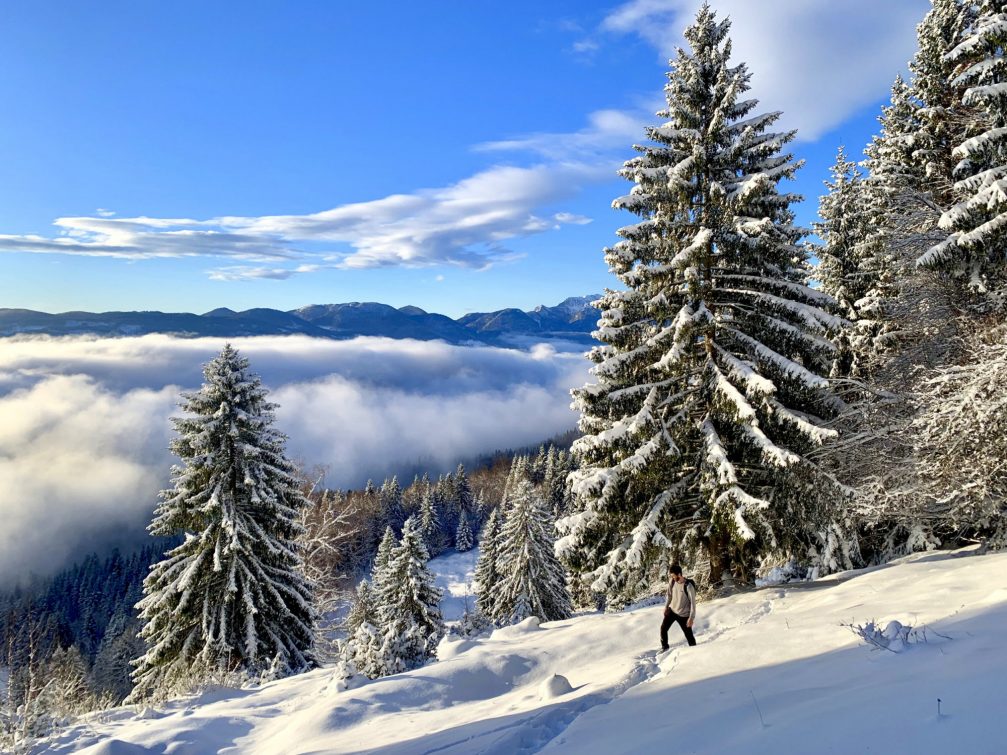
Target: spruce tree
(231, 597)
(380, 569)
(430, 522)
(363, 648)
(411, 618)
(482, 508)
(463, 536)
(364, 609)
(709, 391)
(895, 210)
(974, 253)
(463, 490)
(390, 498)
(448, 512)
(487, 573)
(894, 172)
(846, 230)
(537, 469)
(532, 581)
(519, 470)
(943, 120)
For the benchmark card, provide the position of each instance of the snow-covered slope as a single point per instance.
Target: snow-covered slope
(775, 671)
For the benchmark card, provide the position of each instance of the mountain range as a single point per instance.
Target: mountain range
(572, 319)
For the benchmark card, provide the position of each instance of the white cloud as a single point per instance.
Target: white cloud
(608, 133)
(79, 464)
(818, 61)
(585, 46)
(570, 218)
(466, 224)
(245, 273)
(84, 422)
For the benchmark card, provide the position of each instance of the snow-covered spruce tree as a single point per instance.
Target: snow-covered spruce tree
(483, 508)
(909, 322)
(894, 173)
(463, 536)
(231, 597)
(897, 210)
(844, 228)
(974, 252)
(383, 556)
(519, 470)
(532, 582)
(410, 609)
(463, 490)
(942, 120)
(487, 574)
(364, 608)
(709, 391)
(557, 468)
(430, 522)
(381, 585)
(362, 650)
(390, 500)
(846, 231)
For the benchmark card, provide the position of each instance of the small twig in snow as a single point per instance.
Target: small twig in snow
(757, 708)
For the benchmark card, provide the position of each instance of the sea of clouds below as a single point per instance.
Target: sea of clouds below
(84, 423)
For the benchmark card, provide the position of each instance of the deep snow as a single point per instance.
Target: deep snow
(776, 670)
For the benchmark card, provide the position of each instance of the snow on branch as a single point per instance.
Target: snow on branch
(725, 388)
(716, 455)
(812, 316)
(787, 366)
(739, 370)
(739, 502)
(801, 421)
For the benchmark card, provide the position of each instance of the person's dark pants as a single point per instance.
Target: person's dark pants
(670, 617)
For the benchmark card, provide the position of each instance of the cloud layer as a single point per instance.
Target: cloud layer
(84, 423)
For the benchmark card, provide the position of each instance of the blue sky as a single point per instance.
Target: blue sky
(456, 155)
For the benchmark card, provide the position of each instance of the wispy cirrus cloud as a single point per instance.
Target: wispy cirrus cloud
(608, 133)
(246, 272)
(466, 224)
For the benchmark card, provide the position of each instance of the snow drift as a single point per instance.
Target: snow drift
(776, 670)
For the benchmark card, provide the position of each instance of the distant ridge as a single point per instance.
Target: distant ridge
(572, 319)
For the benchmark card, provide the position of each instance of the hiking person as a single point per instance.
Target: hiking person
(681, 606)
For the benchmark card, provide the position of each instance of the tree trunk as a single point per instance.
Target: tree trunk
(720, 559)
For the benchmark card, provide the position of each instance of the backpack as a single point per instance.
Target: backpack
(690, 583)
(695, 590)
